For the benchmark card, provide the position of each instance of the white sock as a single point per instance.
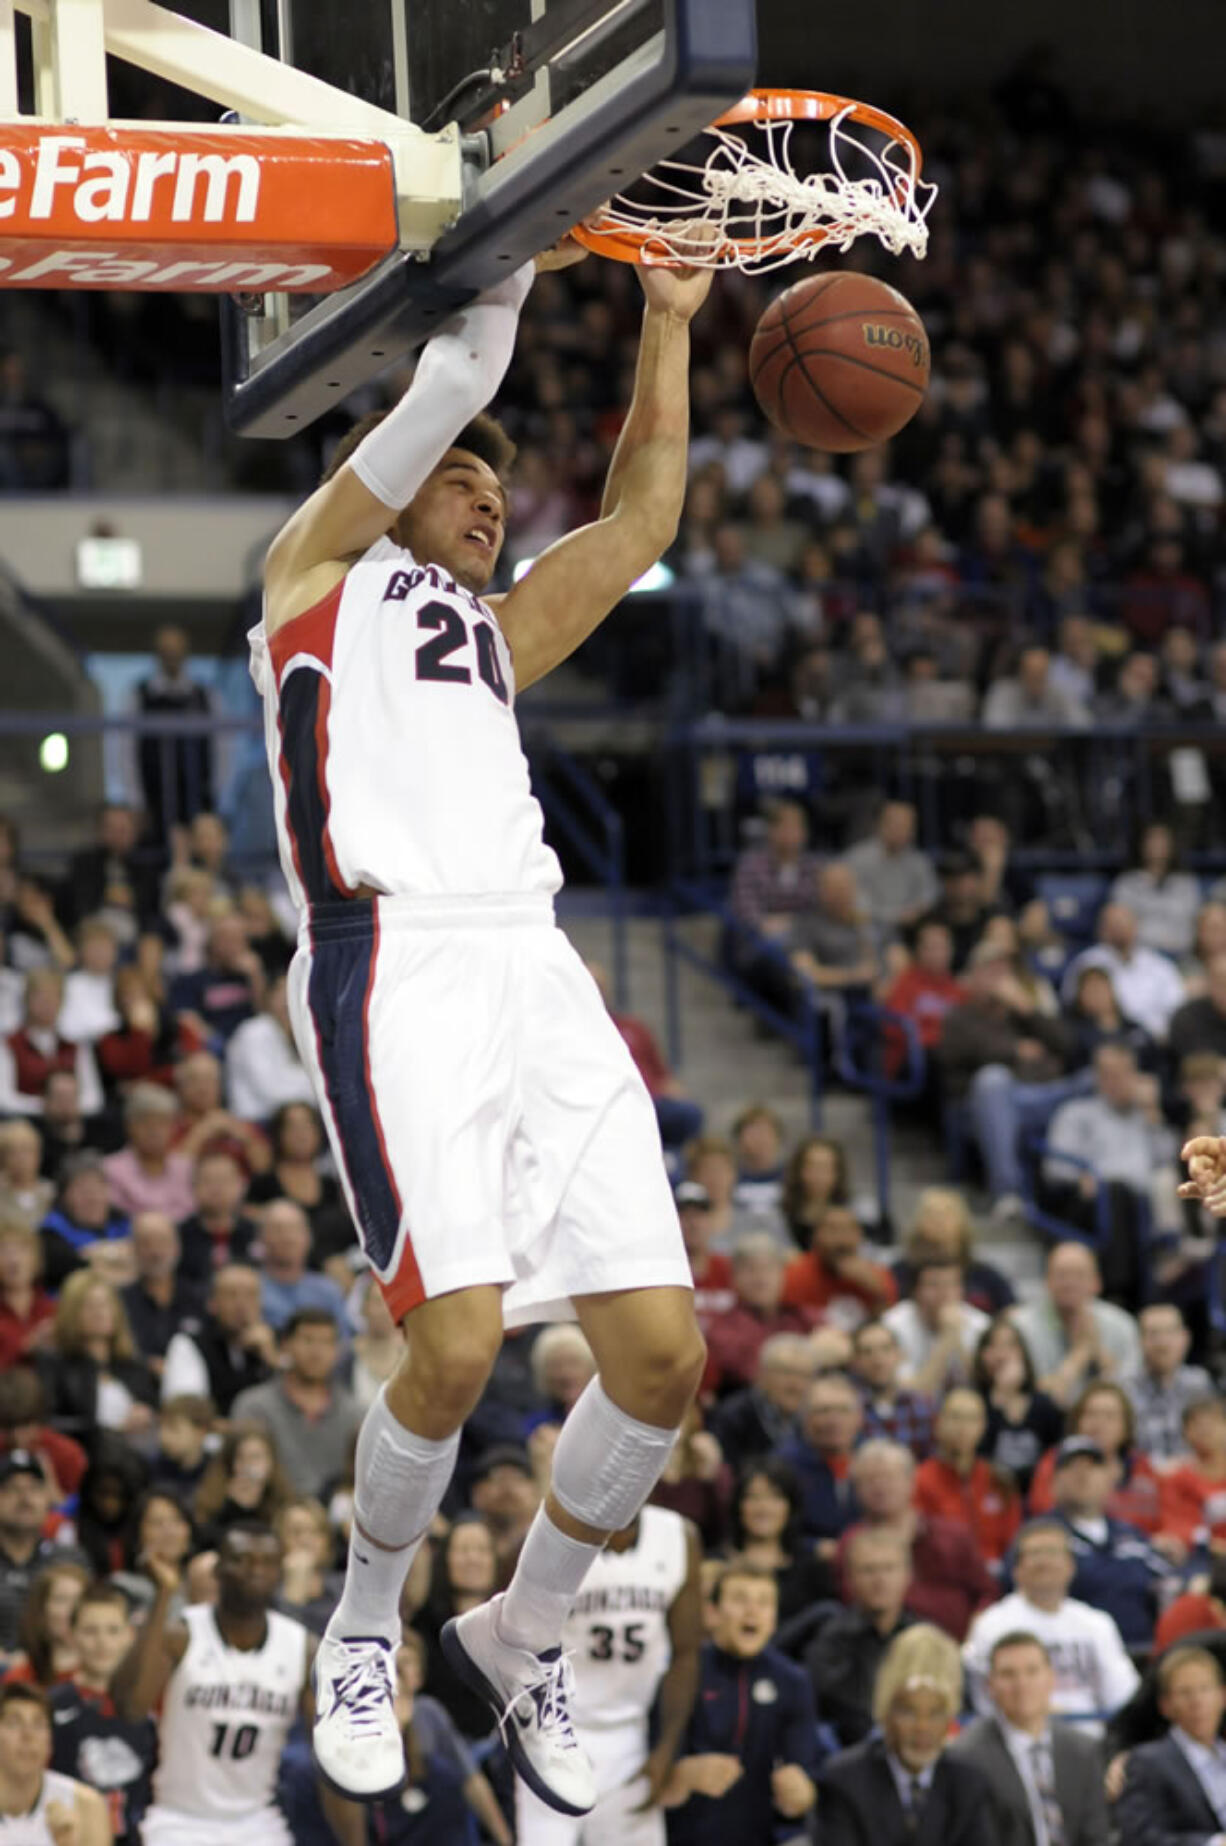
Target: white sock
(548, 1577)
(400, 1480)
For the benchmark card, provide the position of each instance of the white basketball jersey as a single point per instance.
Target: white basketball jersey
(617, 1631)
(225, 1719)
(32, 1829)
(395, 757)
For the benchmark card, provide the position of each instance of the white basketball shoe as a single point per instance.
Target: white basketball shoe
(358, 1747)
(530, 1697)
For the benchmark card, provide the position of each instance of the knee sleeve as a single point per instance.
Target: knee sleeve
(606, 1463)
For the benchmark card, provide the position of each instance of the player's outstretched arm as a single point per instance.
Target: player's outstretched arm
(1205, 1156)
(458, 373)
(156, 1652)
(573, 586)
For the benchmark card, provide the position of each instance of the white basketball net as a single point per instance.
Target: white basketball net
(749, 209)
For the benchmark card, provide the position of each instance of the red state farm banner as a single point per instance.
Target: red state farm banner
(223, 211)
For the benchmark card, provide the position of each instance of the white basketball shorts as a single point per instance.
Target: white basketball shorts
(169, 1827)
(486, 1118)
(617, 1755)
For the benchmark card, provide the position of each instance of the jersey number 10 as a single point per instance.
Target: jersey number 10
(450, 635)
(241, 1740)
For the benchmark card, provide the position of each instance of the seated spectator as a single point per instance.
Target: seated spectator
(815, 1177)
(25, 1549)
(90, 1741)
(710, 1162)
(819, 1451)
(502, 1488)
(774, 886)
(141, 1046)
(925, 990)
(463, 1574)
(310, 1586)
(1195, 1611)
(963, 906)
(744, 1770)
(1093, 1673)
(679, 1116)
(937, 1328)
(735, 1339)
(378, 1343)
(47, 1651)
(1194, 1492)
(263, 1069)
(1022, 1420)
(1104, 1414)
(243, 1481)
(35, 938)
(160, 1301)
(23, 1425)
(1147, 985)
(110, 1494)
(232, 1349)
(1116, 1567)
(562, 1368)
(904, 1784)
(268, 929)
(146, 1174)
(950, 1581)
(1200, 1025)
(218, 1231)
(26, 1310)
(185, 1425)
(1208, 941)
(297, 1138)
(1006, 1061)
(227, 990)
(1172, 1787)
(91, 1371)
(1162, 1386)
(1095, 1016)
(65, 1128)
(891, 1409)
(835, 1277)
(88, 1009)
(23, 1193)
(956, 1483)
(312, 1418)
(711, 1270)
(764, 1530)
(1164, 901)
(1070, 1334)
(83, 1215)
(844, 1658)
(30, 1054)
(753, 1421)
(757, 1138)
(835, 949)
(942, 1227)
(288, 1286)
(896, 881)
(205, 1125)
(113, 878)
(1029, 699)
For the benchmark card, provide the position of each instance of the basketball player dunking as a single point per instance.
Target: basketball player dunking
(230, 1680)
(498, 1150)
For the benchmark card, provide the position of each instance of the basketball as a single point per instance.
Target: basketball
(839, 362)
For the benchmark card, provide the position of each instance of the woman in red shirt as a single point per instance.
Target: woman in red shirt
(1104, 1413)
(1194, 1492)
(957, 1483)
(815, 1178)
(26, 1311)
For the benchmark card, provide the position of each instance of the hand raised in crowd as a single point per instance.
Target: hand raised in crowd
(711, 1774)
(792, 1790)
(1206, 1182)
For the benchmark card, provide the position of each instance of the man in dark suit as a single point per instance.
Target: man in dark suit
(1046, 1778)
(903, 1788)
(1175, 1790)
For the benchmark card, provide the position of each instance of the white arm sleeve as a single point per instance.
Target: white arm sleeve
(457, 376)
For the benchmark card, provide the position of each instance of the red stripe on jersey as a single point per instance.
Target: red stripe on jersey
(312, 632)
(321, 758)
(283, 767)
(406, 1289)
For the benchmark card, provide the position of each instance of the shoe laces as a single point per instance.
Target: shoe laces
(363, 1687)
(549, 1698)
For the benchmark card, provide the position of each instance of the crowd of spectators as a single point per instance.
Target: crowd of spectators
(895, 1443)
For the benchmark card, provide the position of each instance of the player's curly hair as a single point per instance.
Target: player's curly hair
(484, 437)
